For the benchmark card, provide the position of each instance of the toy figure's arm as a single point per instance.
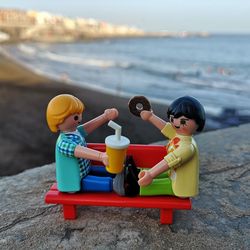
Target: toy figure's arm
(109, 114)
(73, 150)
(172, 160)
(147, 176)
(180, 155)
(91, 154)
(152, 118)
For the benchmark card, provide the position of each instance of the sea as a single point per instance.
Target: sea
(213, 69)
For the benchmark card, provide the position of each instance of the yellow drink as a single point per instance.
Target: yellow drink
(116, 151)
(116, 159)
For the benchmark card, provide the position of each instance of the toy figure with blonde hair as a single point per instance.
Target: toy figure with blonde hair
(73, 169)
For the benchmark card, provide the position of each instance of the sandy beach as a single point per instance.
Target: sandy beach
(26, 141)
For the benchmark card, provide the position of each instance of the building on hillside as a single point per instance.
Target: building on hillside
(15, 18)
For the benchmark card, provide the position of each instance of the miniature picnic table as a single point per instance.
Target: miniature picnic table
(144, 156)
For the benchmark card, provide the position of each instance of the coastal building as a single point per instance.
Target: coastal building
(46, 27)
(69, 23)
(41, 18)
(15, 18)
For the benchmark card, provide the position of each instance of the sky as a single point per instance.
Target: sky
(217, 16)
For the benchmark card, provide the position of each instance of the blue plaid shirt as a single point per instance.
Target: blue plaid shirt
(68, 148)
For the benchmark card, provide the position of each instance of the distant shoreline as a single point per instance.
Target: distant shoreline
(159, 35)
(90, 38)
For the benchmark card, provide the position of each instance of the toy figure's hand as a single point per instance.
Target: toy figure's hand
(111, 114)
(145, 178)
(145, 115)
(104, 158)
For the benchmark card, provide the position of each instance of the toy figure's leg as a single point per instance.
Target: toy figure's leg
(100, 171)
(96, 184)
(131, 185)
(118, 183)
(126, 182)
(162, 186)
(162, 175)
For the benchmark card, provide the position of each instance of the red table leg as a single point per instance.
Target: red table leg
(166, 216)
(69, 212)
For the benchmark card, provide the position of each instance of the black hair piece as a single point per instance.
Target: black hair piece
(191, 108)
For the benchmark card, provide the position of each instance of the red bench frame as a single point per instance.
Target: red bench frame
(144, 156)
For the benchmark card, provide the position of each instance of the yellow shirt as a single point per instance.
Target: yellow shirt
(183, 160)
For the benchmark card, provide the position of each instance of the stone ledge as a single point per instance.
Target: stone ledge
(219, 218)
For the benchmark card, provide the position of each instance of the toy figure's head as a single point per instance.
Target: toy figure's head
(186, 115)
(64, 112)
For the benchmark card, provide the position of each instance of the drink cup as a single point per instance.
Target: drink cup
(116, 150)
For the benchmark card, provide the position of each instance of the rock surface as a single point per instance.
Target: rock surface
(219, 218)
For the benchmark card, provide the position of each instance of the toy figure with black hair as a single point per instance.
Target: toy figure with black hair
(73, 167)
(178, 173)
